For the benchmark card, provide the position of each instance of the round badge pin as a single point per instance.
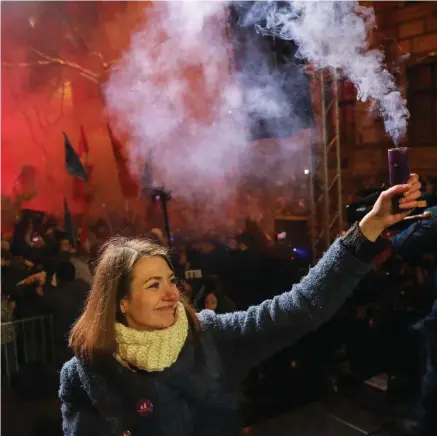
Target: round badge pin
(144, 407)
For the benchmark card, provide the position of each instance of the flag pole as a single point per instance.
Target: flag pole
(107, 217)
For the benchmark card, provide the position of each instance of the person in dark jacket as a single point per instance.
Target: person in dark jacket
(65, 302)
(146, 364)
(412, 243)
(427, 408)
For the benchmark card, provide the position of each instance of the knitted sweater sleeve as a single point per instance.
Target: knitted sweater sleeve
(80, 415)
(79, 418)
(245, 338)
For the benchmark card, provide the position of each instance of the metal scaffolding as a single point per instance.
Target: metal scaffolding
(326, 187)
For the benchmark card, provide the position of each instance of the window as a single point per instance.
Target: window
(347, 97)
(422, 103)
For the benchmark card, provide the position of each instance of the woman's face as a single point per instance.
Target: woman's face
(153, 297)
(211, 302)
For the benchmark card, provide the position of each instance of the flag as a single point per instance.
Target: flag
(83, 143)
(81, 189)
(68, 223)
(128, 185)
(72, 162)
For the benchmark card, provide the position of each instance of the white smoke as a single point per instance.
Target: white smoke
(172, 90)
(335, 35)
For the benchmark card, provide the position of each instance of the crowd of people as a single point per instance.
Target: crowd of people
(46, 271)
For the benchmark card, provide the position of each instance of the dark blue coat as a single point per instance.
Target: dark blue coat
(418, 238)
(197, 396)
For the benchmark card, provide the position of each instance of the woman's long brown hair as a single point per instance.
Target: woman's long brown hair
(93, 334)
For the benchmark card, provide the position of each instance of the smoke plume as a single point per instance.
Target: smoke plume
(335, 35)
(172, 90)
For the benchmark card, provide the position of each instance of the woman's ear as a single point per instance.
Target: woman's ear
(123, 304)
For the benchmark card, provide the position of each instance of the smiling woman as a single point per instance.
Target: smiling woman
(154, 295)
(134, 289)
(144, 366)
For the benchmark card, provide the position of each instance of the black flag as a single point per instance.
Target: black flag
(72, 162)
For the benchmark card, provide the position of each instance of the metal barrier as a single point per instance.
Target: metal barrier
(24, 341)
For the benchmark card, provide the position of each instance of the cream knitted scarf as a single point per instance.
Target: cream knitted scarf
(154, 350)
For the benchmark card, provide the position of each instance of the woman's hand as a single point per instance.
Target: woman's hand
(382, 216)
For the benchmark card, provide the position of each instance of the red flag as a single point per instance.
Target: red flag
(81, 188)
(129, 187)
(83, 143)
